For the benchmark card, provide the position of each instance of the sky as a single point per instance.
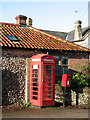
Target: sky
(51, 15)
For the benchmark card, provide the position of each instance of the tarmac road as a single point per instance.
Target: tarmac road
(50, 112)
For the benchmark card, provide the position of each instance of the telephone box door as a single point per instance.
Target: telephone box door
(48, 83)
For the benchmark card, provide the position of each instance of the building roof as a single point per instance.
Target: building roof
(70, 35)
(56, 33)
(33, 38)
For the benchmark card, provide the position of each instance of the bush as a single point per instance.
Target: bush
(78, 80)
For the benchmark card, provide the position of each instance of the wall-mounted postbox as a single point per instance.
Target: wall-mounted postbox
(42, 80)
(66, 80)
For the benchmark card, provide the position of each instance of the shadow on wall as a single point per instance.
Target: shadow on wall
(10, 87)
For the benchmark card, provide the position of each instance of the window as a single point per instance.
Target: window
(12, 38)
(64, 62)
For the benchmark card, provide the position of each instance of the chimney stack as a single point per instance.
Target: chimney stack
(78, 31)
(21, 20)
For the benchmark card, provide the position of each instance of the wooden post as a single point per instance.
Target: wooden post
(64, 98)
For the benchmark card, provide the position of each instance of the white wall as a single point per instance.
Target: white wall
(84, 43)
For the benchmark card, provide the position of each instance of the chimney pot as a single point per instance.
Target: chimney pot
(29, 22)
(78, 30)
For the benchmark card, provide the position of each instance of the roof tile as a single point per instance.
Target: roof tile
(30, 37)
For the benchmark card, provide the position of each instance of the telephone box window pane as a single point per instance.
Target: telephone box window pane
(34, 97)
(34, 79)
(49, 96)
(49, 84)
(34, 71)
(48, 67)
(35, 84)
(34, 88)
(49, 80)
(49, 88)
(35, 93)
(49, 93)
(49, 75)
(34, 75)
(48, 71)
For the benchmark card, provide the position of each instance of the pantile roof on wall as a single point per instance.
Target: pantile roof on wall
(33, 38)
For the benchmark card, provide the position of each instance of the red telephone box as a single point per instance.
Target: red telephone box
(66, 80)
(42, 80)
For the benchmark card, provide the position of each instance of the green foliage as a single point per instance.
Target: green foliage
(28, 104)
(40, 36)
(25, 38)
(36, 35)
(46, 35)
(71, 47)
(17, 28)
(4, 33)
(46, 41)
(56, 41)
(78, 80)
(38, 48)
(26, 31)
(84, 69)
(58, 83)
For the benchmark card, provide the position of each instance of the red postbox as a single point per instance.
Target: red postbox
(66, 80)
(42, 80)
